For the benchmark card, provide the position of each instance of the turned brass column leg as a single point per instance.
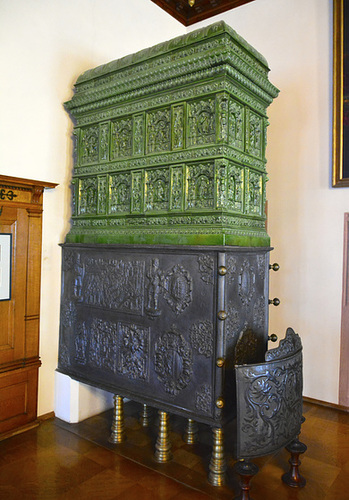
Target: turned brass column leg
(145, 416)
(217, 465)
(163, 445)
(191, 431)
(118, 428)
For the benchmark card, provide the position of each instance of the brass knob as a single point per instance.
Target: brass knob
(275, 302)
(220, 362)
(274, 267)
(222, 315)
(220, 403)
(222, 270)
(273, 337)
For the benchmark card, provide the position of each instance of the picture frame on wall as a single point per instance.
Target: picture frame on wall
(5, 265)
(340, 167)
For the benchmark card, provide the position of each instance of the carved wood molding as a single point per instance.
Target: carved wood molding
(200, 10)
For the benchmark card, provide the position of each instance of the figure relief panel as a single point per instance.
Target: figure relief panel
(221, 184)
(177, 188)
(121, 138)
(137, 192)
(120, 193)
(175, 286)
(254, 134)
(81, 343)
(102, 195)
(88, 189)
(236, 125)
(235, 189)
(157, 189)
(201, 122)
(158, 130)
(223, 118)
(254, 193)
(200, 186)
(89, 144)
(114, 284)
(178, 127)
(134, 351)
(154, 289)
(74, 188)
(138, 134)
(104, 133)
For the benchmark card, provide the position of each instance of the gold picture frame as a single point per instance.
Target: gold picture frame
(340, 167)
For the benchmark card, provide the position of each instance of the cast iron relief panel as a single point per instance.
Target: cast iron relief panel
(170, 144)
(270, 395)
(246, 325)
(173, 361)
(141, 322)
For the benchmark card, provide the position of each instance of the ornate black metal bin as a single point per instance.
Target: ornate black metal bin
(164, 325)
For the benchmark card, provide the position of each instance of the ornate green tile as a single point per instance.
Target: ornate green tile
(170, 144)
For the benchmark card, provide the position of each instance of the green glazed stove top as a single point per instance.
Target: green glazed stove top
(170, 144)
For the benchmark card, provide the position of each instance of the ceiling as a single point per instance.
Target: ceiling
(201, 9)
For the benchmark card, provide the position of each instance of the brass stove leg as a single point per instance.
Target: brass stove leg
(145, 416)
(118, 428)
(217, 465)
(163, 444)
(191, 431)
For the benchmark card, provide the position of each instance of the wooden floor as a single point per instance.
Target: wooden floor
(61, 461)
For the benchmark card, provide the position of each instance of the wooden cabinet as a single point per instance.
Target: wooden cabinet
(21, 217)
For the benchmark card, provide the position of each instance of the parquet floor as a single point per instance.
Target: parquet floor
(61, 461)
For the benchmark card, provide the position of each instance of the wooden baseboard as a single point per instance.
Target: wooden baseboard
(333, 406)
(19, 430)
(46, 416)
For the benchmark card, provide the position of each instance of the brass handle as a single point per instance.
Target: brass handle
(222, 270)
(273, 337)
(274, 267)
(220, 362)
(275, 302)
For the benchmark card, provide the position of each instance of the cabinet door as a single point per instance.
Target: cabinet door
(12, 312)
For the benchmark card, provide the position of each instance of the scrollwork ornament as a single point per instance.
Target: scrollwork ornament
(178, 287)
(259, 311)
(272, 405)
(206, 268)
(246, 283)
(201, 337)
(231, 268)
(203, 399)
(173, 361)
(290, 344)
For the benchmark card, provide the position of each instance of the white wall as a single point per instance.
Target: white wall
(44, 46)
(306, 215)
